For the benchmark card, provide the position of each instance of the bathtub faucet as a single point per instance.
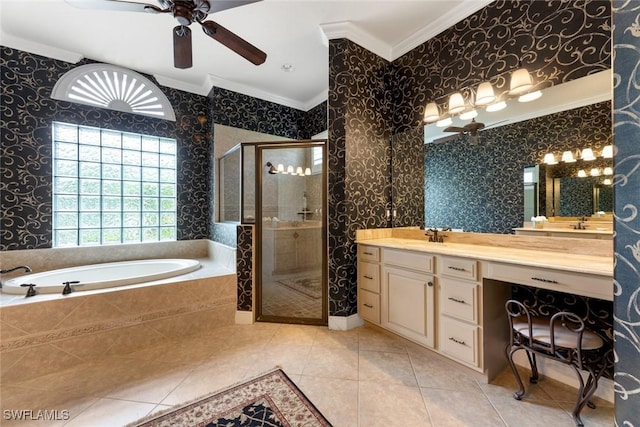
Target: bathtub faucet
(26, 269)
(67, 287)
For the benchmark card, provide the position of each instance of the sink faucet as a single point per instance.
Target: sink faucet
(581, 224)
(26, 269)
(434, 236)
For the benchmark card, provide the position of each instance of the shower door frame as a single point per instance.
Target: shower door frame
(259, 165)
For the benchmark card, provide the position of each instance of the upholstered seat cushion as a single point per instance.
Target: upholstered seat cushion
(563, 335)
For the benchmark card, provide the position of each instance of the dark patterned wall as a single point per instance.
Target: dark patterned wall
(479, 187)
(626, 102)
(558, 41)
(244, 267)
(359, 161)
(407, 159)
(26, 114)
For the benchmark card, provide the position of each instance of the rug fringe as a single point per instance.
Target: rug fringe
(157, 414)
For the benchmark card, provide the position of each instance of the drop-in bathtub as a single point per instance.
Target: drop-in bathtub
(100, 276)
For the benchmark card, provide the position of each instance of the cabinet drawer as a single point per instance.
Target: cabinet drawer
(369, 276)
(369, 306)
(557, 280)
(414, 260)
(459, 267)
(459, 340)
(368, 253)
(459, 299)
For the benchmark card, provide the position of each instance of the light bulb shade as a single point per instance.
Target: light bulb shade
(444, 122)
(307, 171)
(607, 151)
(567, 157)
(549, 159)
(456, 103)
(595, 172)
(607, 181)
(608, 171)
(521, 82)
(299, 171)
(582, 174)
(587, 154)
(290, 169)
(431, 112)
(496, 107)
(531, 96)
(468, 115)
(485, 94)
(280, 168)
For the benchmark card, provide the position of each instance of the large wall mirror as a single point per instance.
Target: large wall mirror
(479, 185)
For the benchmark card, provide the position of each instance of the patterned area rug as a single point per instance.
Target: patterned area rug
(310, 286)
(270, 400)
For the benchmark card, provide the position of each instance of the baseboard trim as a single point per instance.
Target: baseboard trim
(244, 317)
(563, 373)
(342, 323)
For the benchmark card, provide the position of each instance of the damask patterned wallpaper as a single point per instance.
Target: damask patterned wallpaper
(479, 187)
(626, 118)
(25, 118)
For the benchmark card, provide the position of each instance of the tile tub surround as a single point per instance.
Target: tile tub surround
(48, 333)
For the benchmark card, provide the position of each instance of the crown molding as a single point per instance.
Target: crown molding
(202, 89)
(348, 30)
(39, 49)
(449, 19)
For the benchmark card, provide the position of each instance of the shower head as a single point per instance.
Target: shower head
(272, 169)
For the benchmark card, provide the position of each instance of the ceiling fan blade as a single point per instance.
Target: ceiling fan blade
(127, 6)
(454, 129)
(218, 6)
(234, 42)
(182, 52)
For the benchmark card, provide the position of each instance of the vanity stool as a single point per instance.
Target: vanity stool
(562, 337)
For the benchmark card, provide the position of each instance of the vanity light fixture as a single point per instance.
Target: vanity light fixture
(281, 168)
(606, 181)
(307, 171)
(607, 151)
(582, 174)
(444, 122)
(496, 107)
(595, 172)
(587, 154)
(299, 171)
(521, 82)
(456, 103)
(290, 170)
(608, 171)
(550, 159)
(431, 113)
(468, 115)
(567, 157)
(531, 96)
(485, 95)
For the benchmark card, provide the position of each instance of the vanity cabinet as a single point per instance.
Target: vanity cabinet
(459, 309)
(408, 295)
(369, 283)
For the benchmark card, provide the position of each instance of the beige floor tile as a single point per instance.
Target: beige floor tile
(460, 408)
(337, 399)
(373, 339)
(391, 405)
(110, 413)
(291, 358)
(294, 335)
(332, 362)
(393, 368)
(601, 416)
(531, 413)
(341, 339)
(433, 372)
(505, 385)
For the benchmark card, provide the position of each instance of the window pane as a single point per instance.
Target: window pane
(131, 141)
(167, 219)
(111, 236)
(167, 233)
(150, 159)
(150, 144)
(89, 220)
(131, 204)
(131, 173)
(90, 136)
(167, 175)
(149, 189)
(111, 155)
(111, 204)
(150, 234)
(111, 220)
(89, 153)
(111, 139)
(66, 238)
(167, 146)
(132, 220)
(89, 186)
(65, 133)
(89, 237)
(168, 161)
(149, 204)
(167, 190)
(130, 157)
(111, 188)
(131, 235)
(66, 185)
(89, 170)
(67, 168)
(66, 203)
(66, 151)
(149, 219)
(150, 174)
(111, 171)
(66, 220)
(167, 204)
(89, 203)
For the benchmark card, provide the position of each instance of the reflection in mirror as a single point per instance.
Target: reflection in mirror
(229, 179)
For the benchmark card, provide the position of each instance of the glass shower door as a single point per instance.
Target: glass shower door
(290, 228)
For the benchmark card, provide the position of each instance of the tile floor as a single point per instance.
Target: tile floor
(364, 377)
(280, 300)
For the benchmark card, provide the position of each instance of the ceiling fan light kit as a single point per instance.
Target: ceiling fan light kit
(186, 12)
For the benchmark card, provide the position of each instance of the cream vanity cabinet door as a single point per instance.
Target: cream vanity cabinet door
(459, 308)
(408, 295)
(369, 283)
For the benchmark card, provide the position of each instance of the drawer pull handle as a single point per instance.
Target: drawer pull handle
(461, 301)
(457, 341)
(368, 253)
(457, 268)
(368, 305)
(545, 280)
(368, 277)
(429, 283)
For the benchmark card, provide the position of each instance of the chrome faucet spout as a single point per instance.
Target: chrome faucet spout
(26, 269)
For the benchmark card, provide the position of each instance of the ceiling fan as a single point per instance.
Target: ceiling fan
(470, 129)
(186, 13)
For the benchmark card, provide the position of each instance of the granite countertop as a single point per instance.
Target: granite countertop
(565, 230)
(587, 264)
